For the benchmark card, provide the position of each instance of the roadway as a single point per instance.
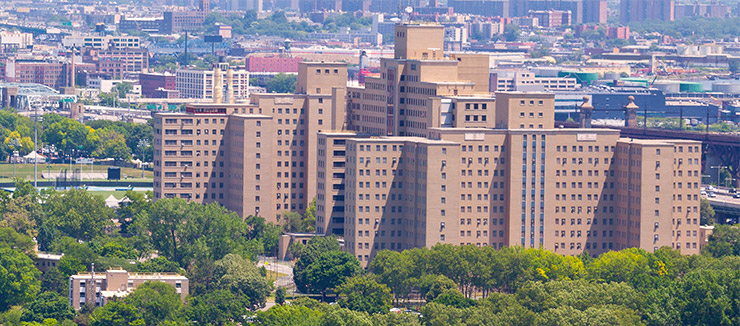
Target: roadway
(724, 202)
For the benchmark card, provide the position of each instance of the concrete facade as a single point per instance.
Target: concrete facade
(255, 158)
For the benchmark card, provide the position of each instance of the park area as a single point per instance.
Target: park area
(97, 172)
(25, 171)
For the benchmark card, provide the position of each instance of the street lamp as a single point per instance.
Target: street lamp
(719, 169)
(15, 143)
(143, 143)
(35, 146)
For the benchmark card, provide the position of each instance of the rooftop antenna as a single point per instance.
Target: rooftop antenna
(186, 49)
(406, 17)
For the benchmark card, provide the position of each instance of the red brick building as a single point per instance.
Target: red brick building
(151, 83)
(622, 32)
(56, 75)
(272, 64)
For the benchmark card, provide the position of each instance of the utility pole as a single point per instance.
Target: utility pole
(35, 146)
(186, 50)
(143, 144)
(16, 143)
(719, 169)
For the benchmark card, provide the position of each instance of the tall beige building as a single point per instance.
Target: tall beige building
(424, 154)
(565, 190)
(256, 157)
(492, 170)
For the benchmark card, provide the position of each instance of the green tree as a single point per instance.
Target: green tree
(242, 277)
(308, 254)
(156, 301)
(19, 214)
(512, 32)
(280, 295)
(117, 313)
(54, 281)
(593, 316)
(706, 212)
(282, 83)
(77, 213)
(392, 269)
(138, 207)
(122, 89)
(432, 285)
(619, 266)
(158, 264)
(395, 319)
(330, 269)
(363, 293)
(454, 298)
(267, 233)
(336, 316)
(308, 223)
(111, 144)
(289, 315)
(113, 246)
(291, 221)
(18, 278)
(10, 239)
(220, 307)
(196, 233)
(724, 241)
(48, 305)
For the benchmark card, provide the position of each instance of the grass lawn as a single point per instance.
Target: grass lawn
(272, 275)
(25, 171)
(105, 194)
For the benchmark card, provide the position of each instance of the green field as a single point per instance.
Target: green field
(105, 194)
(25, 171)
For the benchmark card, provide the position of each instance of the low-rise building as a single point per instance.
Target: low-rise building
(99, 288)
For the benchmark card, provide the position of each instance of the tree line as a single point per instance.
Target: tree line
(468, 285)
(213, 247)
(443, 285)
(98, 138)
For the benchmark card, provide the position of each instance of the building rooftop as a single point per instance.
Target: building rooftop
(397, 139)
(136, 276)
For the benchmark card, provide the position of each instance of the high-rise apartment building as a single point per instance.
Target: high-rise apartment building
(425, 154)
(594, 11)
(520, 183)
(255, 158)
(492, 8)
(450, 164)
(640, 10)
(402, 100)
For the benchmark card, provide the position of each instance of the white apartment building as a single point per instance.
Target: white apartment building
(527, 81)
(198, 84)
(102, 42)
(15, 39)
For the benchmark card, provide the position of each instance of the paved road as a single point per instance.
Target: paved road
(282, 268)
